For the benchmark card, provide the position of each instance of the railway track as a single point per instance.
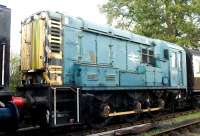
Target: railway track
(169, 126)
(180, 127)
(136, 127)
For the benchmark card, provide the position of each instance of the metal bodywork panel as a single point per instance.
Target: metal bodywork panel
(33, 44)
(88, 75)
(88, 44)
(5, 16)
(5, 19)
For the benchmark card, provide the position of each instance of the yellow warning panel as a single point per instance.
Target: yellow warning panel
(41, 49)
(38, 44)
(26, 46)
(32, 45)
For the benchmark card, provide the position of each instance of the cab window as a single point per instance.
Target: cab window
(174, 60)
(148, 57)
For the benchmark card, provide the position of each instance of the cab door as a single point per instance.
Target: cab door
(176, 77)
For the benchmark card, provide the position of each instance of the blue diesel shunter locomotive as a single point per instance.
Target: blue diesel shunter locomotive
(77, 72)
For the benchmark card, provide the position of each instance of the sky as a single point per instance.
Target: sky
(21, 9)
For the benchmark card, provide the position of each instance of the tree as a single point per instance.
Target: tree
(14, 72)
(176, 21)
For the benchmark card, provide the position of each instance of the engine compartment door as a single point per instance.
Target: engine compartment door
(176, 74)
(32, 47)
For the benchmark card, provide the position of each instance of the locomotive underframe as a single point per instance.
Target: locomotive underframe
(50, 106)
(58, 106)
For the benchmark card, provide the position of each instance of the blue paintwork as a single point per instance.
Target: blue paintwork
(91, 75)
(101, 56)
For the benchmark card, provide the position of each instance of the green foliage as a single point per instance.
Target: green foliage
(176, 21)
(15, 73)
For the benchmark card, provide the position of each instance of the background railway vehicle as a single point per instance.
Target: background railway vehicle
(193, 74)
(8, 110)
(77, 72)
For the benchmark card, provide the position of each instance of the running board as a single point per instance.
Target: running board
(133, 112)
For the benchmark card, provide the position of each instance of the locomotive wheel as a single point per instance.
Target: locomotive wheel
(105, 110)
(44, 121)
(172, 104)
(94, 120)
(96, 116)
(172, 107)
(132, 118)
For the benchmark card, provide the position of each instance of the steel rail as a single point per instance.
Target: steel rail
(176, 128)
